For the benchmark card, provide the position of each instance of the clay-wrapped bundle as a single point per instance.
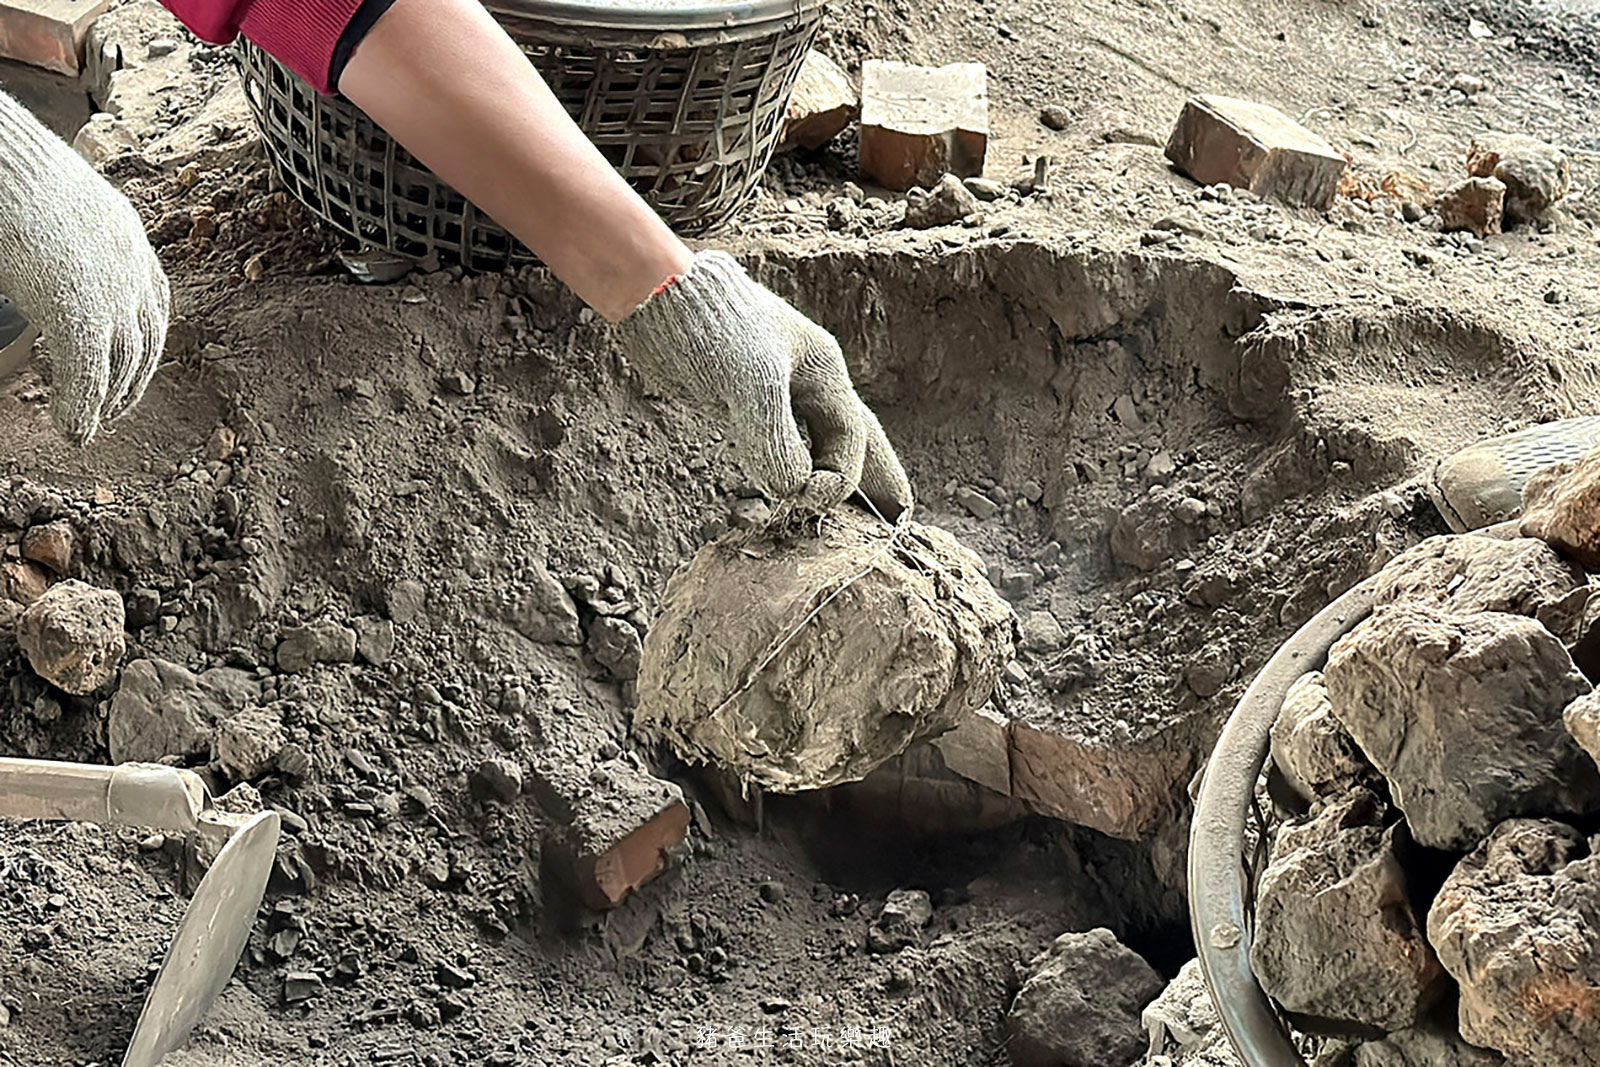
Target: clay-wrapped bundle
(802, 661)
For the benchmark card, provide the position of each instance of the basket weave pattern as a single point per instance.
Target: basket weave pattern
(692, 128)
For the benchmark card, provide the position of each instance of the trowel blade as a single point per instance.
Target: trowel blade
(208, 944)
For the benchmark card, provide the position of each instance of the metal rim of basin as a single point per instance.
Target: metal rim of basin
(1221, 875)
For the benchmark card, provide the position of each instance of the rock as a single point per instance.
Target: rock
(452, 977)
(800, 662)
(610, 831)
(1041, 632)
(24, 581)
(1514, 925)
(497, 779)
(321, 641)
(1154, 528)
(374, 639)
(1080, 1004)
(976, 504)
(104, 137)
(1535, 174)
(899, 925)
(248, 743)
(1462, 715)
(50, 545)
(1564, 510)
(162, 709)
(1184, 1012)
(543, 612)
(1055, 117)
(1468, 84)
(615, 645)
(1316, 755)
(406, 600)
(985, 189)
(1336, 938)
(1429, 1045)
(1466, 574)
(458, 383)
(1476, 204)
(73, 637)
(1256, 147)
(161, 46)
(300, 986)
(919, 123)
(823, 103)
(950, 201)
(1582, 720)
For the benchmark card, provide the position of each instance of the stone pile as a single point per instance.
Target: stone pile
(1439, 891)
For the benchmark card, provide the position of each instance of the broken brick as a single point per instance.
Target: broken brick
(1477, 204)
(920, 123)
(48, 33)
(822, 105)
(1252, 146)
(616, 825)
(50, 545)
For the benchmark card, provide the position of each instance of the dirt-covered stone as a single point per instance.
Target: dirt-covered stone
(1428, 1045)
(1473, 204)
(1534, 173)
(248, 743)
(163, 709)
(73, 637)
(1462, 715)
(1564, 510)
(321, 641)
(1520, 576)
(803, 662)
(1336, 937)
(1316, 754)
(1184, 1015)
(1582, 720)
(1514, 925)
(1080, 1004)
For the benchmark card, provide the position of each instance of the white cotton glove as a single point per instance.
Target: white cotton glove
(75, 259)
(720, 338)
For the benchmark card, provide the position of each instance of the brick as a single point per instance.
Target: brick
(1476, 204)
(48, 33)
(823, 104)
(1255, 147)
(613, 825)
(920, 123)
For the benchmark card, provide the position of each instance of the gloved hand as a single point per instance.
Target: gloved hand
(74, 257)
(717, 336)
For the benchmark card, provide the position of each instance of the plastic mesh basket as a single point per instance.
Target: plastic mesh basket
(685, 99)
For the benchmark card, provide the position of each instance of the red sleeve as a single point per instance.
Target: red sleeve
(300, 34)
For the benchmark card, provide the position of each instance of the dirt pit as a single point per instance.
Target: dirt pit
(1182, 445)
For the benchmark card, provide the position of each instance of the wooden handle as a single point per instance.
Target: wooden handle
(131, 794)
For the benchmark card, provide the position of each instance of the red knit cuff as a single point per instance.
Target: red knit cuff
(300, 34)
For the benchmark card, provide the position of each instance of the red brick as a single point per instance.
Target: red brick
(920, 123)
(1477, 204)
(47, 33)
(613, 824)
(823, 104)
(1218, 140)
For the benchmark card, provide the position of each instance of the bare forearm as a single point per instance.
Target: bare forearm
(445, 81)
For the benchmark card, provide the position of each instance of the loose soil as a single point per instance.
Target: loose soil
(1194, 442)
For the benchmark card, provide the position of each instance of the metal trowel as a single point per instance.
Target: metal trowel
(215, 927)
